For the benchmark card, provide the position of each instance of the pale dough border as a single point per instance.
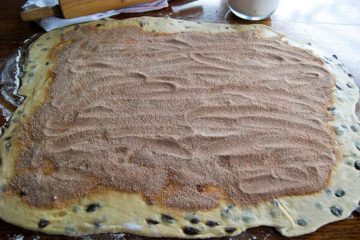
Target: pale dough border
(122, 212)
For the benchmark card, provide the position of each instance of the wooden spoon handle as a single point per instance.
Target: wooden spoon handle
(71, 8)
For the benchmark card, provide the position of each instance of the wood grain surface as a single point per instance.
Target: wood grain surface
(334, 25)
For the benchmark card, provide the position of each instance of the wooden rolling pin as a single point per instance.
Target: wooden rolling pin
(77, 8)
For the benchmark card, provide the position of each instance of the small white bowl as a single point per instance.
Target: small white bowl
(253, 9)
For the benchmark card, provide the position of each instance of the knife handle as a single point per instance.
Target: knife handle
(71, 8)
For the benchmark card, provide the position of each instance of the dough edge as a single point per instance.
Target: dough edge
(126, 212)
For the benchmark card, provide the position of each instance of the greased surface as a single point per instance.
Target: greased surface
(185, 119)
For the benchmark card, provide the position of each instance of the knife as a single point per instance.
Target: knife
(77, 8)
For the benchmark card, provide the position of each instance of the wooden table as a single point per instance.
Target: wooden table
(332, 24)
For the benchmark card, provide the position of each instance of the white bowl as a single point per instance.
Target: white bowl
(253, 9)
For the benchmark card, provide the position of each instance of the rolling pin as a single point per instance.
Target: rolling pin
(77, 8)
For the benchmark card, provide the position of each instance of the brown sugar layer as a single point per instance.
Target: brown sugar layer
(184, 119)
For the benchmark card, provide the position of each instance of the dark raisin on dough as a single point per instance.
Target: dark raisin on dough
(339, 131)
(194, 220)
(43, 223)
(247, 219)
(339, 193)
(357, 164)
(167, 218)
(353, 128)
(357, 145)
(191, 231)
(92, 207)
(328, 191)
(301, 222)
(152, 221)
(97, 224)
(211, 223)
(336, 210)
(230, 230)
(275, 203)
(227, 211)
(23, 193)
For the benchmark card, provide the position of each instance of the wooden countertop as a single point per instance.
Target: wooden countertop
(334, 25)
